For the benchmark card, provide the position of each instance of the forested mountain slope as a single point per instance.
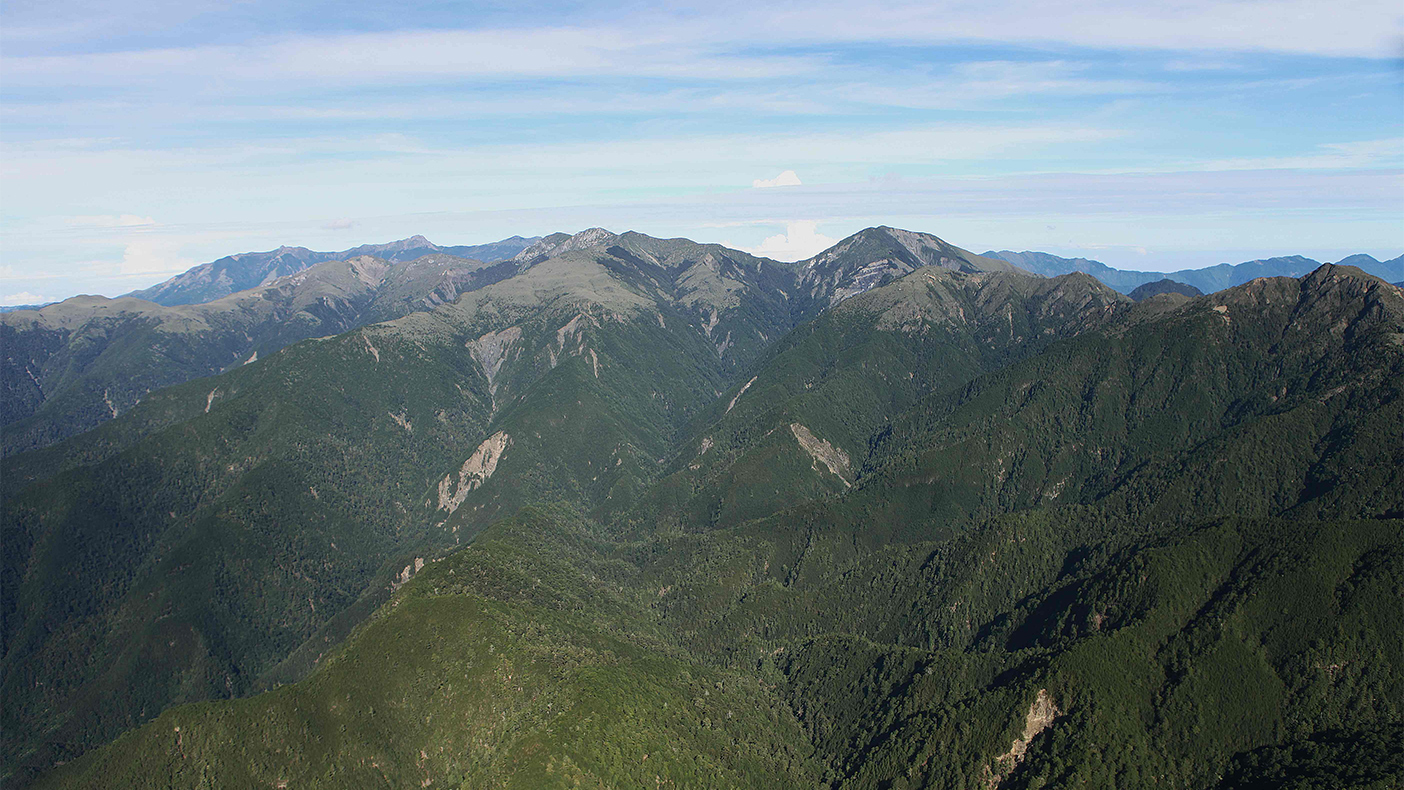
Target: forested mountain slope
(965, 529)
(799, 427)
(270, 497)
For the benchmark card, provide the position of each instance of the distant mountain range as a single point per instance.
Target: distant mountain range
(235, 273)
(242, 271)
(1207, 280)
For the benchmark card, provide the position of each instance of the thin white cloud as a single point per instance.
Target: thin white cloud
(1364, 28)
(151, 255)
(731, 41)
(397, 57)
(1388, 152)
(800, 240)
(23, 297)
(982, 81)
(339, 224)
(313, 169)
(785, 179)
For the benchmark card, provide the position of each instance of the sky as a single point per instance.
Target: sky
(138, 139)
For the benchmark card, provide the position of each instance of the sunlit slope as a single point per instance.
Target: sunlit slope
(1171, 656)
(504, 665)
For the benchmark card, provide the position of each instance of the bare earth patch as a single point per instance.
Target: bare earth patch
(821, 451)
(476, 470)
(1041, 714)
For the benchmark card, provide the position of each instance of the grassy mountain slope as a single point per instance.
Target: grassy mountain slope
(876, 256)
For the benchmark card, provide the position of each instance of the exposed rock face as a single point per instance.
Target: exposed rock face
(476, 470)
(1041, 714)
(745, 387)
(833, 458)
(559, 243)
(490, 351)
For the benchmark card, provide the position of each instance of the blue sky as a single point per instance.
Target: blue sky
(142, 138)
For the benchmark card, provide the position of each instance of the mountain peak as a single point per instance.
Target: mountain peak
(558, 243)
(412, 243)
(1328, 273)
(590, 237)
(1331, 300)
(875, 256)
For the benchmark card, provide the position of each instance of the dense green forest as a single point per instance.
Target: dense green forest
(644, 515)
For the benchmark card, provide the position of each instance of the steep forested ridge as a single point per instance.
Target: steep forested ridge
(652, 513)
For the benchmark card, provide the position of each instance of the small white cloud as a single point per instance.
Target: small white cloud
(799, 241)
(23, 297)
(148, 256)
(339, 224)
(111, 221)
(785, 179)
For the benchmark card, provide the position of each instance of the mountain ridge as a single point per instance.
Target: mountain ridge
(1207, 279)
(71, 365)
(242, 271)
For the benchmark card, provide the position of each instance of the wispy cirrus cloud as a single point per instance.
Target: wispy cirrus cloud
(1367, 28)
(111, 221)
(1359, 28)
(412, 56)
(1385, 153)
